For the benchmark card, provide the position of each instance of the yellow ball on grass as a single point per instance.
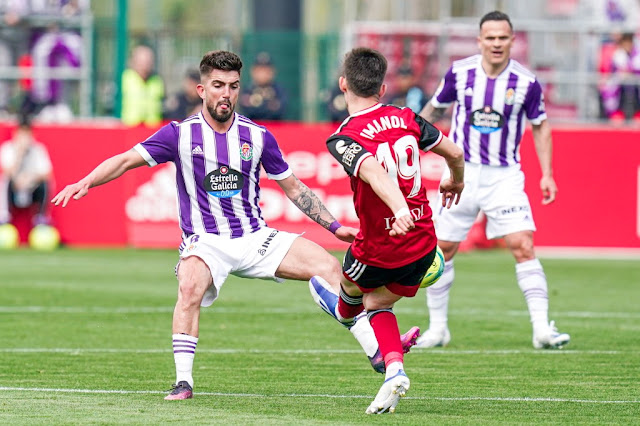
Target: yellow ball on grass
(44, 238)
(9, 237)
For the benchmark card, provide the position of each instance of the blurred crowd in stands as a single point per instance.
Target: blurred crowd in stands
(36, 35)
(31, 39)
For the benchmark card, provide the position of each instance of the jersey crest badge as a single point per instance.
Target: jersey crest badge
(510, 97)
(246, 152)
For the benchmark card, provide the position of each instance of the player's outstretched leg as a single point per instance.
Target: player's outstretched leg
(327, 299)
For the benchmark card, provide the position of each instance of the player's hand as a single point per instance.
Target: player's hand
(450, 192)
(346, 234)
(402, 225)
(75, 191)
(549, 189)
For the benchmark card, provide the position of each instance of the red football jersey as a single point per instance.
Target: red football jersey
(394, 136)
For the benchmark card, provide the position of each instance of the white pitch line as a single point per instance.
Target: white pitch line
(83, 310)
(311, 309)
(297, 395)
(75, 351)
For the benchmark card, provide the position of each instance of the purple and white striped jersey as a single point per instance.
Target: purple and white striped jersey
(488, 117)
(217, 174)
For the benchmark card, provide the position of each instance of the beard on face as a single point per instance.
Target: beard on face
(220, 117)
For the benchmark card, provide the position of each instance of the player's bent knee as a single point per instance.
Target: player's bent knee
(521, 246)
(194, 278)
(190, 292)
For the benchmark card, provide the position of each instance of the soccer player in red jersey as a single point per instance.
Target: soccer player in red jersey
(379, 147)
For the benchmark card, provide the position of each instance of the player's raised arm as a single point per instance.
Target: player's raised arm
(106, 171)
(309, 203)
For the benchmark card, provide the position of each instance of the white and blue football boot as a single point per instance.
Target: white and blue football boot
(550, 338)
(389, 394)
(327, 299)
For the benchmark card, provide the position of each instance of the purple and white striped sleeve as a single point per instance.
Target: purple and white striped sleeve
(272, 160)
(534, 104)
(160, 147)
(446, 92)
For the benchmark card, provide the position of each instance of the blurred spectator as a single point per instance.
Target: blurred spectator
(142, 90)
(407, 92)
(613, 15)
(186, 102)
(336, 105)
(53, 49)
(621, 90)
(263, 98)
(25, 174)
(14, 39)
(50, 47)
(63, 8)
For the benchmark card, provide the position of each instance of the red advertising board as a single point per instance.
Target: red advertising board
(597, 171)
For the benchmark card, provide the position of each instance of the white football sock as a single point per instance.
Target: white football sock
(392, 369)
(364, 334)
(438, 298)
(533, 284)
(184, 350)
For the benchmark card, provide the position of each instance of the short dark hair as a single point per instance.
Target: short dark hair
(364, 70)
(496, 16)
(220, 60)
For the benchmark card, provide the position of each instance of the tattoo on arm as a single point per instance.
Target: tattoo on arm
(310, 204)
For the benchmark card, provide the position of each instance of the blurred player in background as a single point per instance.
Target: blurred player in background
(407, 90)
(493, 94)
(621, 91)
(218, 154)
(142, 90)
(187, 101)
(25, 174)
(263, 98)
(378, 146)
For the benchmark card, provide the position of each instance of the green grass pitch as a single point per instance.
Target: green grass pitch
(86, 339)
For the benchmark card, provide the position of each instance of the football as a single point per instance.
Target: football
(435, 270)
(9, 238)
(44, 237)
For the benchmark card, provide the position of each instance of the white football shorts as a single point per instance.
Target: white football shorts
(496, 191)
(256, 255)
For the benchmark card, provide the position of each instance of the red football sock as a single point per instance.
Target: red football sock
(349, 306)
(385, 327)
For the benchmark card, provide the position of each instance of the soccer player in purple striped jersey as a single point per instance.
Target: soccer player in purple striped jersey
(491, 96)
(218, 154)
